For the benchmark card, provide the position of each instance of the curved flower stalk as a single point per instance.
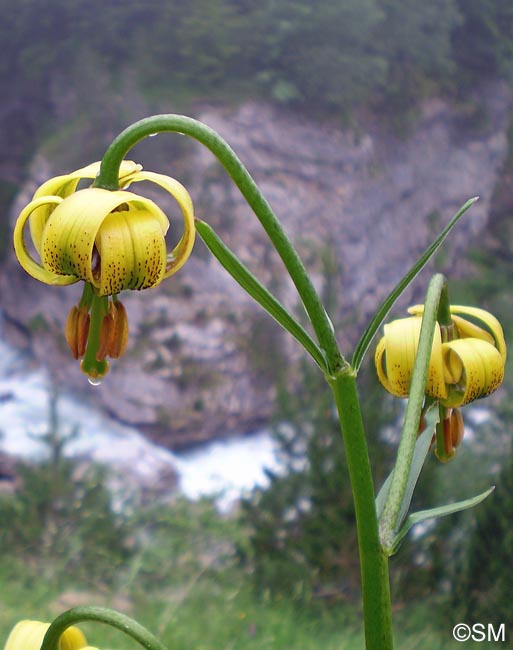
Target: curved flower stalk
(29, 635)
(112, 240)
(67, 620)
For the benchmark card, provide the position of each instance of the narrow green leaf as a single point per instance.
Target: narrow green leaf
(380, 315)
(419, 456)
(389, 521)
(441, 511)
(257, 291)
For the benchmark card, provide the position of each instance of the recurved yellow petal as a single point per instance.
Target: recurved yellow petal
(66, 184)
(132, 250)
(416, 310)
(402, 338)
(490, 326)
(180, 253)
(382, 374)
(395, 358)
(68, 237)
(32, 267)
(475, 369)
(26, 635)
(72, 639)
(29, 635)
(466, 329)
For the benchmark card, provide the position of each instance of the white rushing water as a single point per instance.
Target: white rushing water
(226, 469)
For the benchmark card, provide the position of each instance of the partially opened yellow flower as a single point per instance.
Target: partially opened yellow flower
(112, 240)
(461, 370)
(467, 362)
(29, 635)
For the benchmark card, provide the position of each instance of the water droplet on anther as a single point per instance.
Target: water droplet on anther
(94, 381)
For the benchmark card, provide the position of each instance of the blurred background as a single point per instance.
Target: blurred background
(202, 488)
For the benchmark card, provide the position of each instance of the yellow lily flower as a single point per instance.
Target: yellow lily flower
(461, 370)
(112, 240)
(29, 635)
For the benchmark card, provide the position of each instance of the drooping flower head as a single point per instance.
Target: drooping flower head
(467, 361)
(112, 240)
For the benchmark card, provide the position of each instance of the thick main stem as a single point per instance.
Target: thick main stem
(377, 607)
(108, 179)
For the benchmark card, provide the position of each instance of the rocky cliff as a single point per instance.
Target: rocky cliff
(202, 358)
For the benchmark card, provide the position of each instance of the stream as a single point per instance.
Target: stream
(225, 469)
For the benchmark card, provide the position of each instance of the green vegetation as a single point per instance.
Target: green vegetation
(324, 59)
(179, 574)
(331, 56)
(71, 535)
(216, 613)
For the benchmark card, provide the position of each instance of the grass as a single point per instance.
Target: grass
(214, 610)
(219, 612)
(203, 607)
(174, 569)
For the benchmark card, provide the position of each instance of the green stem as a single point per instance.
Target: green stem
(87, 296)
(390, 518)
(377, 609)
(108, 179)
(101, 615)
